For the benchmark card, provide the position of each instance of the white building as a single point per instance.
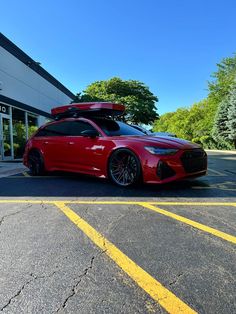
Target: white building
(27, 94)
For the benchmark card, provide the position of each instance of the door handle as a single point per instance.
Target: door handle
(45, 143)
(71, 143)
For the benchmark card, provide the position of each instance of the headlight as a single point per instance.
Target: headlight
(161, 151)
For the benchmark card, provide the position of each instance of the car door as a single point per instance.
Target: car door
(54, 142)
(84, 153)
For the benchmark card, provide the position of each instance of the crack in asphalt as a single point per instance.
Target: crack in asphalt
(176, 279)
(140, 210)
(33, 277)
(13, 214)
(75, 286)
(43, 205)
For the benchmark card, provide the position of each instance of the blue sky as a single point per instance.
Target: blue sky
(171, 46)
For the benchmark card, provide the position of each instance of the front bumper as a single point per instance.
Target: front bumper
(184, 164)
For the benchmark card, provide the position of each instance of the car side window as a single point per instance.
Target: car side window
(76, 127)
(65, 128)
(40, 133)
(57, 129)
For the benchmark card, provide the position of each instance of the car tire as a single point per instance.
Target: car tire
(36, 163)
(124, 168)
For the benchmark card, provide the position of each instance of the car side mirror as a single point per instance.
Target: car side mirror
(90, 133)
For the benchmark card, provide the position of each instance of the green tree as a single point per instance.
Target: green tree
(19, 138)
(31, 130)
(135, 95)
(210, 122)
(193, 123)
(231, 123)
(223, 79)
(204, 125)
(224, 128)
(174, 122)
(220, 129)
(162, 124)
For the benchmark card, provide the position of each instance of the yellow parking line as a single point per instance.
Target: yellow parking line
(155, 289)
(192, 223)
(118, 202)
(157, 203)
(194, 203)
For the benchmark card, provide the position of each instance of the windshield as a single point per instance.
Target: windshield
(147, 132)
(116, 128)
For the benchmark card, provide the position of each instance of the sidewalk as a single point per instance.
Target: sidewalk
(11, 168)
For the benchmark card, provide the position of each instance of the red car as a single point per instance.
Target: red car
(85, 139)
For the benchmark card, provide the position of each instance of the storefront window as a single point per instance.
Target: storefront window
(6, 137)
(16, 126)
(19, 132)
(32, 124)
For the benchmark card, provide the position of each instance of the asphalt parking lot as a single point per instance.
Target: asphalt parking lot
(75, 244)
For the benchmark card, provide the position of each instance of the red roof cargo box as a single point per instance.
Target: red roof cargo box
(88, 109)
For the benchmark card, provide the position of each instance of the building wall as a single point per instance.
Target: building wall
(21, 83)
(28, 93)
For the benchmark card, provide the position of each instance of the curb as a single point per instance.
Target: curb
(233, 152)
(11, 172)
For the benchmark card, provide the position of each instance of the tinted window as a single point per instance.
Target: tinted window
(57, 129)
(66, 128)
(41, 132)
(76, 127)
(116, 128)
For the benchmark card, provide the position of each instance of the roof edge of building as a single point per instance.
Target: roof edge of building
(18, 104)
(24, 58)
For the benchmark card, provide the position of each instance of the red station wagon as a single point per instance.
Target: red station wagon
(85, 138)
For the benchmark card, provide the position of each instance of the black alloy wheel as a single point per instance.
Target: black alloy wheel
(124, 167)
(36, 164)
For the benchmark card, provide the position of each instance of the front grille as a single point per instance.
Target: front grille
(164, 171)
(194, 160)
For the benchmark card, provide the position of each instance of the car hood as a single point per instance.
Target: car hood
(170, 142)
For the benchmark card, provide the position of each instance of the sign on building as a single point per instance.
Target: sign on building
(4, 109)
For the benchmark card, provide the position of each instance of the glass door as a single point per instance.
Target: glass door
(5, 138)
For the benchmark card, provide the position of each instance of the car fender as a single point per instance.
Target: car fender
(123, 147)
